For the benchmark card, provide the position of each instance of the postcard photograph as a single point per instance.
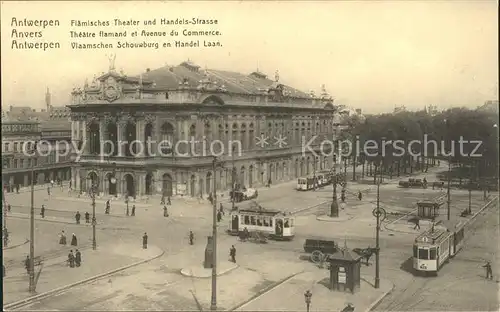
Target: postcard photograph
(250, 155)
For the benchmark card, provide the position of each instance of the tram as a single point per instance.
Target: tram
(436, 245)
(274, 224)
(320, 179)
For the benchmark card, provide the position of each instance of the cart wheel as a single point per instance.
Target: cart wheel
(317, 256)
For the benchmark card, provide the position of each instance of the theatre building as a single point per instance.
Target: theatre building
(176, 103)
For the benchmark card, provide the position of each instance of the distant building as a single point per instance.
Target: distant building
(489, 106)
(22, 125)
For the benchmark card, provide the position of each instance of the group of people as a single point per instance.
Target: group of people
(63, 240)
(74, 259)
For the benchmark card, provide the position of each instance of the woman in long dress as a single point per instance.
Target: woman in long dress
(74, 241)
(62, 238)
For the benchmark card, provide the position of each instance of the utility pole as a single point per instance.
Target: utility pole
(5, 232)
(377, 238)
(233, 173)
(213, 304)
(448, 201)
(94, 220)
(470, 188)
(334, 208)
(314, 174)
(32, 285)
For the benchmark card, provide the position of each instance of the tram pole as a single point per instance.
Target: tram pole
(334, 208)
(32, 285)
(377, 236)
(469, 211)
(233, 173)
(213, 304)
(448, 201)
(5, 232)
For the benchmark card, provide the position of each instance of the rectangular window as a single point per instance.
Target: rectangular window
(266, 221)
(423, 254)
(271, 222)
(252, 220)
(415, 252)
(433, 253)
(29, 163)
(15, 146)
(15, 163)
(35, 162)
(247, 220)
(21, 163)
(6, 147)
(287, 223)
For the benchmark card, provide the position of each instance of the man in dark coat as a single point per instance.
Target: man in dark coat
(77, 217)
(162, 202)
(48, 190)
(27, 264)
(219, 216)
(9, 207)
(78, 258)
(489, 271)
(232, 254)
(108, 207)
(417, 224)
(74, 241)
(145, 241)
(71, 259)
(133, 211)
(42, 211)
(87, 217)
(128, 212)
(221, 209)
(360, 195)
(165, 211)
(169, 202)
(191, 238)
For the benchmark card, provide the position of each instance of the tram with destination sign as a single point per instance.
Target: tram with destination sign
(322, 178)
(436, 245)
(267, 223)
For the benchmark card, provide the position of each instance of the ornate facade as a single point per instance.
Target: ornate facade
(213, 110)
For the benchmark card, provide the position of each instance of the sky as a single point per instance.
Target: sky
(370, 55)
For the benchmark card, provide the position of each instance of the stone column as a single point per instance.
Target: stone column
(102, 129)
(139, 134)
(120, 129)
(85, 142)
(77, 180)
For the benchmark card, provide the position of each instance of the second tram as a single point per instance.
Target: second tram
(436, 245)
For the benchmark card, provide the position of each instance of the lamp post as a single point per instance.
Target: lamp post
(314, 174)
(334, 208)
(448, 194)
(233, 173)
(469, 210)
(93, 189)
(213, 304)
(307, 297)
(32, 285)
(5, 232)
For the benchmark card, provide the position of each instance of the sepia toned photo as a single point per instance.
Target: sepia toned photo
(250, 156)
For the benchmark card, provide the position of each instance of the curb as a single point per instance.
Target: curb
(15, 246)
(265, 291)
(308, 208)
(210, 275)
(379, 299)
(326, 218)
(24, 302)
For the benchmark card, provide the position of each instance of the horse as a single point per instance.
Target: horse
(366, 253)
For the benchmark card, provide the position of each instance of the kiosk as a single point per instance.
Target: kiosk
(345, 270)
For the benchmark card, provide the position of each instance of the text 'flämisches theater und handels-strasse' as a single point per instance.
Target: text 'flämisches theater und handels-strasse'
(132, 22)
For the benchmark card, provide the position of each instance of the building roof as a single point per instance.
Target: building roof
(190, 74)
(344, 254)
(55, 125)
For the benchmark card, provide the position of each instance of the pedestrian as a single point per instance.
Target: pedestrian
(52, 183)
(133, 211)
(165, 211)
(127, 213)
(169, 202)
(219, 216)
(221, 209)
(417, 224)
(232, 254)
(9, 207)
(360, 195)
(77, 217)
(71, 259)
(62, 238)
(17, 188)
(78, 258)
(5, 237)
(74, 241)
(342, 195)
(27, 264)
(108, 207)
(191, 238)
(145, 241)
(42, 211)
(489, 271)
(269, 182)
(87, 217)
(70, 184)
(162, 202)
(48, 190)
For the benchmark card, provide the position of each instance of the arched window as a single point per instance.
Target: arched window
(167, 138)
(207, 133)
(243, 136)
(192, 137)
(221, 132)
(270, 130)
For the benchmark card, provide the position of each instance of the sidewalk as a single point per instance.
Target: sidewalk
(55, 273)
(15, 241)
(54, 219)
(289, 296)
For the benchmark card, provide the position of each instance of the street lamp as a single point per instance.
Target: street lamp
(93, 190)
(233, 178)
(448, 194)
(307, 297)
(5, 232)
(334, 208)
(213, 304)
(32, 284)
(380, 215)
